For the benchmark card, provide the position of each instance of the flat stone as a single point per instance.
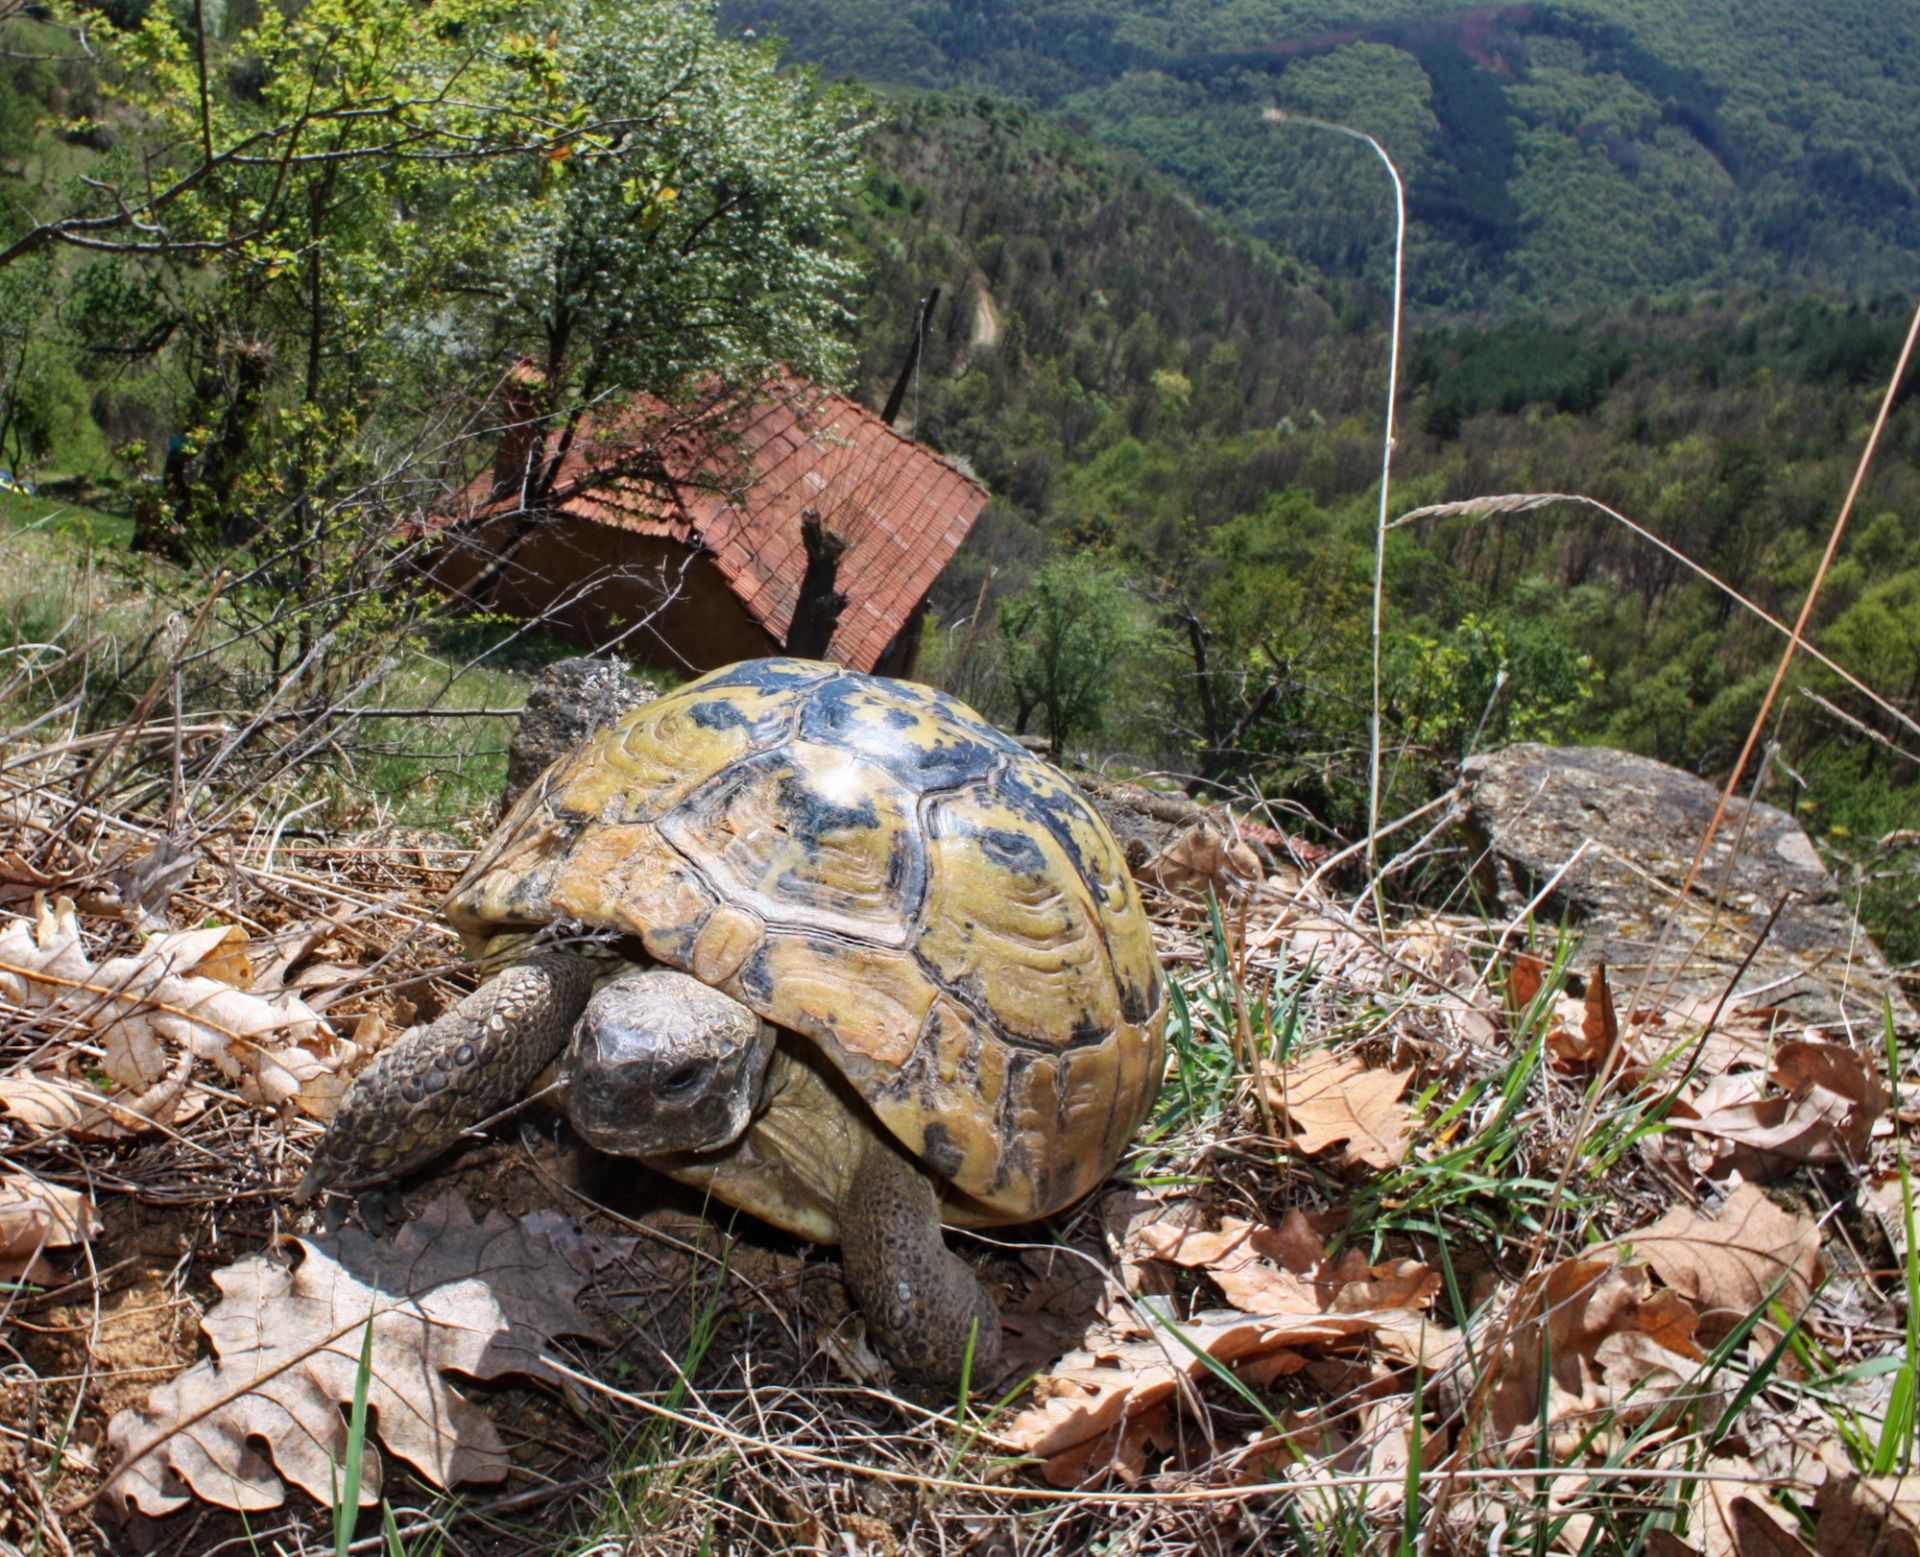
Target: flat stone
(1607, 836)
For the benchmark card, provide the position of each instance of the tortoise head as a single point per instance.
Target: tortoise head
(660, 1062)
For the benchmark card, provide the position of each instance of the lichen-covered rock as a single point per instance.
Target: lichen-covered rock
(569, 701)
(1619, 831)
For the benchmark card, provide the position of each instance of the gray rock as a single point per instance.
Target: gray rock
(569, 701)
(1533, 807)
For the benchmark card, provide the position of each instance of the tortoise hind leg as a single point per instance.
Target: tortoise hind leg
(922, 1301)
(418, 1097)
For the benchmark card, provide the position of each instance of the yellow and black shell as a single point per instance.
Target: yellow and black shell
(868, 864)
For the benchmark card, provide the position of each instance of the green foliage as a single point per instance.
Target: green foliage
(324, 231)
(1508, 370)
(1069, 641)
(1576, 153)
(688, 237)
(1485, 684)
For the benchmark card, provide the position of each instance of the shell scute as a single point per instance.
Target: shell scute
(1011, 927)
(914, 738)
(808, 836)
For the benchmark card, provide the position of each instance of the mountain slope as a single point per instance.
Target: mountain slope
(1572, 153)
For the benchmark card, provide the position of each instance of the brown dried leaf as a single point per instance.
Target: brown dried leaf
(1333, 1099)
(49, 1105)
(1096, 1390)
(1862, 1516)
(1725, 1265)
(447, 1294)
(41, 1105)
(1821, 1111)
(146, 1009)
(1094, 1413)
(1600, 1024)
(1285, 1270)
(35, 1217)
(1811, 1071)
(1203, 859)
(213, 951)
(1611, 1342)
(1526, 975)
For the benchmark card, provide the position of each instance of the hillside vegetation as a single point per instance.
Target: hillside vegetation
(1180, 425)
(1182, 431)
(1556, 154)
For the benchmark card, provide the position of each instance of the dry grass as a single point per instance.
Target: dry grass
(730, 1411)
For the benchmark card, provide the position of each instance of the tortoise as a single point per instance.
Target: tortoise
(863, 963)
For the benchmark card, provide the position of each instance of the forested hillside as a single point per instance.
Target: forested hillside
(1182, 431)
(1179, 422)
(1555, 154)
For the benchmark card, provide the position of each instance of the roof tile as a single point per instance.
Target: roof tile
(739, 482)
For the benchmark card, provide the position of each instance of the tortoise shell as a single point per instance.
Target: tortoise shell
(869, 864)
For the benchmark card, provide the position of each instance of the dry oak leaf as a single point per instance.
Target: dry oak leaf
(447, 1294)
(1869, 1516)
(1329, 1099)
(44, 1104)
(1098, 1389)
(1822, 1111)
(41, 1105)
(1729, 1264)
(1285, 1270)
(36, 1216)
(1084, 1413)
(1808, 1069)
(147, 1009)
(1611, 1341)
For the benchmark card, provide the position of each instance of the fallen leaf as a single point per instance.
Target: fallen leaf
(145, 1011)
(1093, 1391)
(1820, 1110)
(1203, 859)
(1599, 1023)
(1094, 1413)
(447, 1294)
(1806, 1069)
(1730, 1263)
(1122, 1453)
(1264, 1270)
(1526, 975)
(41, 1105)
(1869, 1516)
(36, 1216)
(1333, 1099)
(1586, 1336)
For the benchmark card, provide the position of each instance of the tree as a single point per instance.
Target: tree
(693, 237)
(368, 208)
(1065, 639)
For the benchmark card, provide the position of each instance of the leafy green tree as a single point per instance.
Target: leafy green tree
(1065, 641)
(1484, 684)
(372, 207)
(693, 236)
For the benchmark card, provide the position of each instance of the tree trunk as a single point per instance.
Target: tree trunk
(817, 612)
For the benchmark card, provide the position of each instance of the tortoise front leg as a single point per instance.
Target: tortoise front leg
(415, 1100)
(922, 1301)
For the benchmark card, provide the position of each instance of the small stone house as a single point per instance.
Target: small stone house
(673, 536)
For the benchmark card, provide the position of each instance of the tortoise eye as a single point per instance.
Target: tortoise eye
(683, 1080)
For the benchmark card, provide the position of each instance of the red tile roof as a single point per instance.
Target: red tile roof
(736, 480)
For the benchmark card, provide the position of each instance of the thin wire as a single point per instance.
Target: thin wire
(1284, 116)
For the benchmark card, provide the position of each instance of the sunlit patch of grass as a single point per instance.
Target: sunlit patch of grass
(54, 516)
